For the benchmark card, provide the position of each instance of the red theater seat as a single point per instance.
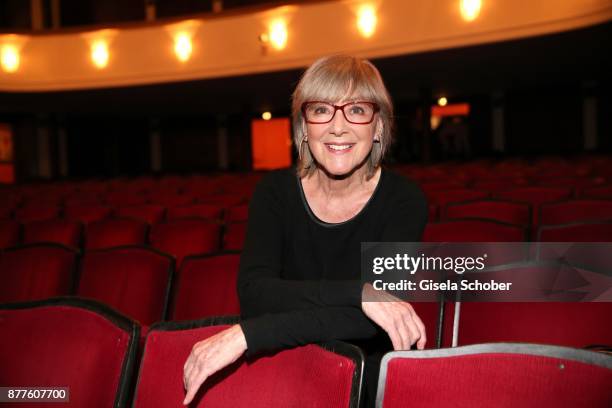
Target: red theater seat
(58, 231)
(149, 213)
(238, 213)
(565, 212)
(224, 200)
(235, 234)
(35, 272)
(120, 198)
(604, 192)
(577, 232)
(444, 197)
(473, 230)
(133, 280)
(115, 232)
(206, 286)
(573, 324)
(495, 375)
(430, 186)
(170, 200)
(498, 185)
(87, 213)
(9, 233)
(68, 343)
(504, 211)
(432, 212)
(209, 211)
(308, 376)
(186, 237)
(37, 212)
(83, 198)
(535, 196)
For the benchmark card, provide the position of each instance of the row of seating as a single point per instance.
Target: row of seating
(179, 238)
(142, 284)
(588, 219)
(16, 197)
(526, 207)
(186, 237)
(229, 211)
(93, 351)
(138, 281)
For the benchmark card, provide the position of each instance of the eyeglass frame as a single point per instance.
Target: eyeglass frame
(340, 108)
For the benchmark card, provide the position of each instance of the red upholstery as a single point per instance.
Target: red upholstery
(432, 212)
(61, 345)
(468, 377)
(36, 212)
(149, 213)
(578, 232)
(566, 324)
(36, 272)
(87, 213)
(577, 183)
(118, 198)
(504, 211)
(206, 286)
(170, 200)
(235, 234)
(186, 237)
(566, 212)
(604, 192)
(209, 211)
(83, 198)
(497, 185)
(132, 280)
(224, 200)
(9, 233)
(535, 196)
(58, 231)
(430, 186)
(444, 197)
(306, 376)
(115, 232)
(472, 231)
(238, 213)
(574, 324)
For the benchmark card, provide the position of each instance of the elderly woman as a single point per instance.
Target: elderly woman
(299, 278)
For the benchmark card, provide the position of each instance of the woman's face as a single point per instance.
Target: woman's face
(340, 147)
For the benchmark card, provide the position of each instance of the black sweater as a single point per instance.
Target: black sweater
(300, 278)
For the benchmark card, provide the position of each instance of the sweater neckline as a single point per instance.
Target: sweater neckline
(322, 223)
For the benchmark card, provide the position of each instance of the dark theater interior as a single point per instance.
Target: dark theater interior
(139, 141)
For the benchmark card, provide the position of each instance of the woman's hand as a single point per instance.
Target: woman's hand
(396, 317)
(211, 355)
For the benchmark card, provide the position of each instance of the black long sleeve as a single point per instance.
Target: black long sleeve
(299, 278)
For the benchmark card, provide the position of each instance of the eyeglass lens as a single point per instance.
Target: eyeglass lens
(321, 112)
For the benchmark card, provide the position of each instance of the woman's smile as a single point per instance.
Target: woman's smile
(339, 148)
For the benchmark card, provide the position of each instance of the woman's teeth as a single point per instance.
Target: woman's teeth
(338, 147)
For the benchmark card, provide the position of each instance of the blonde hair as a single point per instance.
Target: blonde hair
(332, 79)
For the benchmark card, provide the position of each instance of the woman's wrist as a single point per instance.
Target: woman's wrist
(239, 337)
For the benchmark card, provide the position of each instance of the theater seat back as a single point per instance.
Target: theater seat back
(496, 375)
(206, 286)
(35, 272)
(309, 376)
(68, 343)
(133, 280)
